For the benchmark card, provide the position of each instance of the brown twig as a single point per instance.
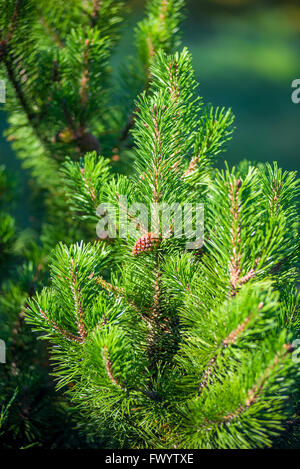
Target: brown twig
(13, 21)
(95, 12)
(109, 368)
(192, 166)
(77, 297)
(52, 32)
(84, 79)
(163, 10)
(229, 340)
(110, 288)
(236, 279)
(66, 334)
(90, 188)
(256, 390)
(276, 193)
(19, 92)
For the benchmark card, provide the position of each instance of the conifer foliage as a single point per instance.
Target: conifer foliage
(63, 97)
(165, 347)
(7, 223)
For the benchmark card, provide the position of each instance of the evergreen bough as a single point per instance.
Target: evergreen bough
(165, 347)
(64, 97)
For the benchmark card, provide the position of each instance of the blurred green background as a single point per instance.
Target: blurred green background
(246, 55)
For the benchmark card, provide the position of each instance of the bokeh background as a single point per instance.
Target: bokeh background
(246, 55)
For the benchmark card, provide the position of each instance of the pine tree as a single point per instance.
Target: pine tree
(63, 98)
(31, 413)
(164, 346)
(7, 223)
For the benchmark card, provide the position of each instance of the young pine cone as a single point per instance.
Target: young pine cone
(145, 243)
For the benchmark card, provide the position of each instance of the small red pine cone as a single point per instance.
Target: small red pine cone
(145, 243)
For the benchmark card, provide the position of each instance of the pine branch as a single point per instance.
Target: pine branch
(196, 343)
(229, 340)
(111, 288)
(109, 369)
(255, 392)
(51, 31)
(77, 296)
(12, 27)
(67, 335)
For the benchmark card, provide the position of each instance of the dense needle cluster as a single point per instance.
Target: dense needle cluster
(179, 350)
(65, 96)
